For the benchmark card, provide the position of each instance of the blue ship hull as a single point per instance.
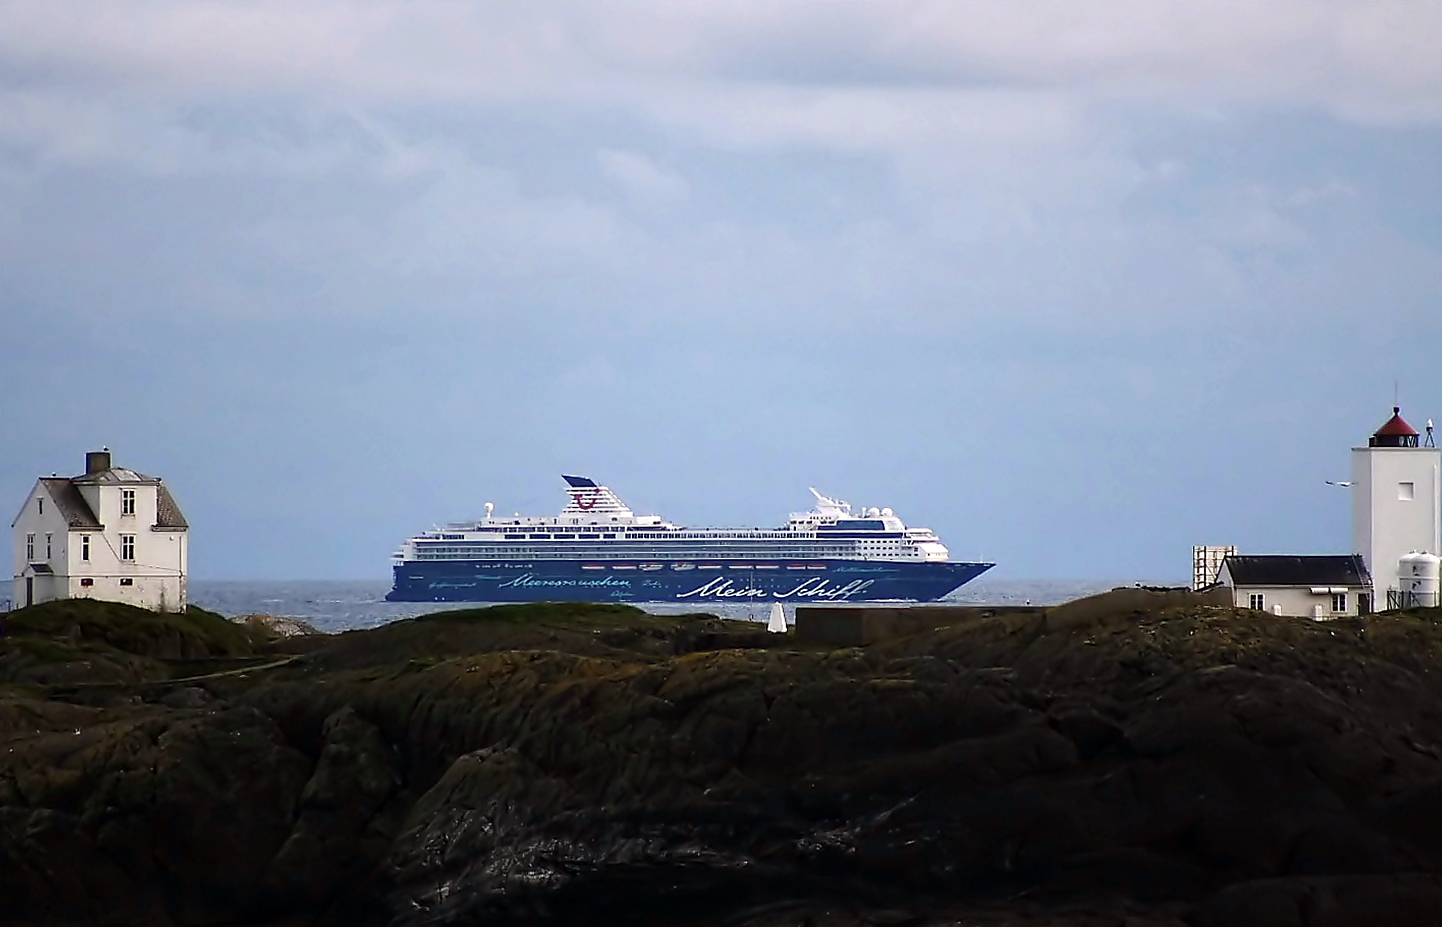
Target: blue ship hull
(572, 581)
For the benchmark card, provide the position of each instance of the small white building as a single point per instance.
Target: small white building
(1317, 587)
(1396, 503)
(109, 533)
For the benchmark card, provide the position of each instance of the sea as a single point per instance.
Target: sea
(333, 606)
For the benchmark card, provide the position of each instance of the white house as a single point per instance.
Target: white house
(1396, 503)
(1317, 587)
(109, 533)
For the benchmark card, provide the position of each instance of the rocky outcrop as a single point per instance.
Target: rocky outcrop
(273, 626)
(583, 765)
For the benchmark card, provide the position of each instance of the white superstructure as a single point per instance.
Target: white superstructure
(596, 525)
(1396, 502)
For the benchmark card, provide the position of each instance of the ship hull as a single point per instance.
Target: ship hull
(570, 581)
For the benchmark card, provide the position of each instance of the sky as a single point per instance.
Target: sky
(1078, 284)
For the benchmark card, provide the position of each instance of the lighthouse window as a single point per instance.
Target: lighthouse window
(1406, 491)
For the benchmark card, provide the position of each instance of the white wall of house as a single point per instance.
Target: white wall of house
(1298, 602)
(38, 521)
(129, 560)
(1396, 509)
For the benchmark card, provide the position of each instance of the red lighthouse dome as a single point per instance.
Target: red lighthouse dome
(1394, 433)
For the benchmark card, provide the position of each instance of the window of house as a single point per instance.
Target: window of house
(87, 581)
(40, 506)
(29, 548)
(84, 549)
(127, 581)
(1257, 601)
(1339, 601)
(127, 502)
(1406, 491)
(47, 547)
(127, 547)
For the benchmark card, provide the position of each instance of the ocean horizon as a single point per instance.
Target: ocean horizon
(346, 605)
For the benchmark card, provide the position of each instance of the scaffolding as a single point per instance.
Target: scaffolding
(1207, 565)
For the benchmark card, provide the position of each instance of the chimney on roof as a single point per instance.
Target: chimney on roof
(97, 461)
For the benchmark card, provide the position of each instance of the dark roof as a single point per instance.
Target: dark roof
(66, 496)
(579, 482)
(1286, 570)
(1396, 427)
(41, 569)
(168, 514)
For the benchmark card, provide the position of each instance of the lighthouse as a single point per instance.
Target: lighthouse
(1396, 495)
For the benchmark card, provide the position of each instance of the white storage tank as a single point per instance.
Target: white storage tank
(1419, 579)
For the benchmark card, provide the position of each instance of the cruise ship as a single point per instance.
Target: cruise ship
(598, 550)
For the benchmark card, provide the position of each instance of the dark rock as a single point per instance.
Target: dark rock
(1400, 900)
(576, 765)
(339, 834)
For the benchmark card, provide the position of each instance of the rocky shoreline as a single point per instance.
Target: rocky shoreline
(576, 764)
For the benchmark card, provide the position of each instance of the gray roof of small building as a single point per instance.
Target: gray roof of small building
(115, 475)
(168, 514)
(67, 498)
(1289, 570)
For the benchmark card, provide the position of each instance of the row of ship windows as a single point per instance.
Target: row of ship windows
(599, 543)
(652, 536)
(624, 552)
(534, 554)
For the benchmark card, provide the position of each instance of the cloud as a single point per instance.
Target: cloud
(639, 177)
(926, 162)
(54, 126)
(1364, 60)
(475, 219)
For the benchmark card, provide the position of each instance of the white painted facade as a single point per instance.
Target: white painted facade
(1396, 509)
(1318, 602)
(109, 534)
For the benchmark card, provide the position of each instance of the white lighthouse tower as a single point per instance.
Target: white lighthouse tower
(1396, 495)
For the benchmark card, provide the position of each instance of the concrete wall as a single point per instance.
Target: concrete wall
(1299, 602)
(1385, 525)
